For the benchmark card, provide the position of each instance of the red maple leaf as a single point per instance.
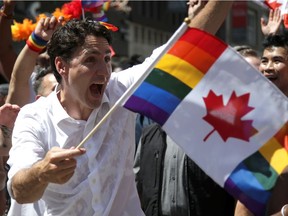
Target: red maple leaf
(273, 4)
(226, 119)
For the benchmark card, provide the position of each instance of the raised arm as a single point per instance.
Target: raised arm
(7, 53)
(274, 21)
(211, 17)
(19, 88)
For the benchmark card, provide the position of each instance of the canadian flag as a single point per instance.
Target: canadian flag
(283, 5)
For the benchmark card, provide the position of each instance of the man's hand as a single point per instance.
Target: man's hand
(46, 26)
(59, 165)
(194, 6)
(274, 21)
(8, 114)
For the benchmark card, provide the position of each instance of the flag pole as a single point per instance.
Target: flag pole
(83, 13)
(179, 32)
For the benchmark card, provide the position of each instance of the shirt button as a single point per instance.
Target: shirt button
(174, 156)
(173, 178)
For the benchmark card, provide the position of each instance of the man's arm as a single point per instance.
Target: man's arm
(211, 17)
(19, 87)
(7, 53)
(3, 179)
(28, 185)
(272, 26)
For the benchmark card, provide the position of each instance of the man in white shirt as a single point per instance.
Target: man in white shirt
(97, 179)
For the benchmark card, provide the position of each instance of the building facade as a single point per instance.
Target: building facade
(151, 23)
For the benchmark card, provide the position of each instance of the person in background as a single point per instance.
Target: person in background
(20, 88)
(274, 66)
(8, 114)
(270, 28)
(44, 82)
(272, 25)
(249, 54)
(3, 92)
(170, 183)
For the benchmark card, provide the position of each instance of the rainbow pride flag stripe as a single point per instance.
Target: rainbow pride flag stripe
(175, 75)
(262, 169)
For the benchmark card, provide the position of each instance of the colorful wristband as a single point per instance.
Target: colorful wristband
(38, 40)
(35, 43)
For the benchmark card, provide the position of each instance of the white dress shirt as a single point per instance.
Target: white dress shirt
(103, 182)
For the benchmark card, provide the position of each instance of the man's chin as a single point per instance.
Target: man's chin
(95, 103)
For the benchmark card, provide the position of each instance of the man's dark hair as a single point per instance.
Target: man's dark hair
(40, 73)
(69, 37)
(276, 41)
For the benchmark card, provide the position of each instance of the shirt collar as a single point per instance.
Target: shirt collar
(59, 112)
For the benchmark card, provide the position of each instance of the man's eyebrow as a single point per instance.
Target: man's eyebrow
(97, 52)
(278, 57)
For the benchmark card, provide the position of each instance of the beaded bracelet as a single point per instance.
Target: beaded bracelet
(35, 43)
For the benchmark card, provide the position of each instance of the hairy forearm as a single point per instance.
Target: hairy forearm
(7, 53)
(3, 175)
(5, 28)
(26, 186)
(211, 17)
(5, 140)
(2, 201)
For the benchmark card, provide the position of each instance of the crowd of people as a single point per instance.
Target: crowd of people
(61, 85)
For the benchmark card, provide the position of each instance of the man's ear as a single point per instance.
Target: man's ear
(60, 66)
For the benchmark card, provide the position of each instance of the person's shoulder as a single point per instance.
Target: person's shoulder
(39, 107)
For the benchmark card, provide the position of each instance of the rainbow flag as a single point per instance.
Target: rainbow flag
(93, 5)
(234, 122)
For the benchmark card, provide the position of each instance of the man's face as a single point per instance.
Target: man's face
(87, 73)
(255, 61)
(274, 66)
